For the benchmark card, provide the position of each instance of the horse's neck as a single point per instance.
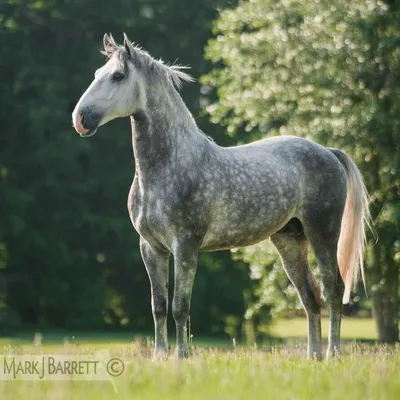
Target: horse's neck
(164, 133)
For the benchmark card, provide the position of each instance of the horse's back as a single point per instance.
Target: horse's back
(283, 144)
(283, 152)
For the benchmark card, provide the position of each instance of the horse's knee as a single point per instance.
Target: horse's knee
(159, 306)
(180, 310)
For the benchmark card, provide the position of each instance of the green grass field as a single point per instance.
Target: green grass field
(364, 371)
(352, 328)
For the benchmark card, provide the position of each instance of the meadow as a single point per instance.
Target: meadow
(221, 369)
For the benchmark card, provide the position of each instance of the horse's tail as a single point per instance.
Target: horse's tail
(355, 219)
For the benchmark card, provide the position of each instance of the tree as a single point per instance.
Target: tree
(329, 71)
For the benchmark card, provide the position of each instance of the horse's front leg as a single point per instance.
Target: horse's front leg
(156, 262)
(185, 256)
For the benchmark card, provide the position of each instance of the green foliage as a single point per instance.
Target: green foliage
(271, 285)
(328, 71)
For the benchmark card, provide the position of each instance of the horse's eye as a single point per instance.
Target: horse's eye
(118, 76)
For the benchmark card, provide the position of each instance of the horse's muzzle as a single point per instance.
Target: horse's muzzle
(85, 122)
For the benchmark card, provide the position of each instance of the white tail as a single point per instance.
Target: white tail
(355, 219)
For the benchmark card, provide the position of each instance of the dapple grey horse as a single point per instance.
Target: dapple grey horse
(190, 195)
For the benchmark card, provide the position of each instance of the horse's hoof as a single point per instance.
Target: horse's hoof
(333, 354)
(181, 354)
(315, 356)
(159, 356)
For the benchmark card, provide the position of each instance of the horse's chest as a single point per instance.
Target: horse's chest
(151, 216)
(142, 211)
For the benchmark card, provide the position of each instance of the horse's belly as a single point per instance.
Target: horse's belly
(226, 234)
(230, 241)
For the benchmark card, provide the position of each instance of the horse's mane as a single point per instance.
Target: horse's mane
(145, 62)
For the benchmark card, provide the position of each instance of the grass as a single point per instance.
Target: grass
(352, 328)
(280, 372)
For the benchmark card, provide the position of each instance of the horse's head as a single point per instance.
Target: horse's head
(115, 91)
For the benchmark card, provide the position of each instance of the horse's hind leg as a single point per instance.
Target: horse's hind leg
(324, 244)
(292, 247)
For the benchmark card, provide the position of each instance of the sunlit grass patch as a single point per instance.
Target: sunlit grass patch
(352, 328)
(271, 370)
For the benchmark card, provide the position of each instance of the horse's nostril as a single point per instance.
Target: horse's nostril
(82, 120)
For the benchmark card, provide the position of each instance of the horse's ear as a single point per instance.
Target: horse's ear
(128, 46)
(109, 45)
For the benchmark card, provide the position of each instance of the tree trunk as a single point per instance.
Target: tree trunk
(385, 314)
(385, 301)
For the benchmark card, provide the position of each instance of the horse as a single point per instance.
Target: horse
(191, 195)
